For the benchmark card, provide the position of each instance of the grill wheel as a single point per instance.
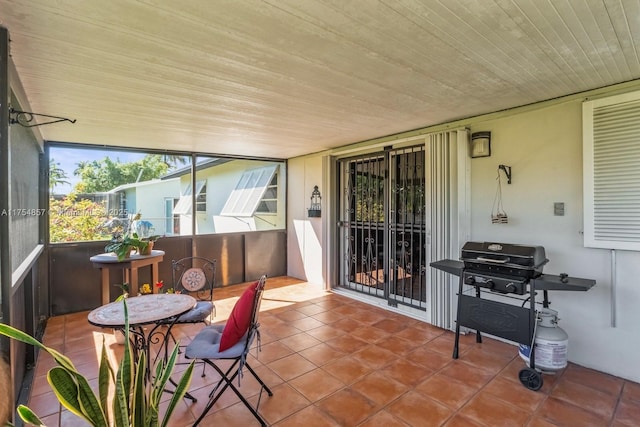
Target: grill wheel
(531, 379)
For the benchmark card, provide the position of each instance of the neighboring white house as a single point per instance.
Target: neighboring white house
(231, 196)
(153, 199)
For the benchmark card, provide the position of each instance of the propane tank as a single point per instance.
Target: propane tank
(551, 343)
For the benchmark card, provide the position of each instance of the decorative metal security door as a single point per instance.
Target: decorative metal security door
(407, 233)
(362, 224)
(382, 225)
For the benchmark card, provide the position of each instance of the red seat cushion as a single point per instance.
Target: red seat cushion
(239, 319)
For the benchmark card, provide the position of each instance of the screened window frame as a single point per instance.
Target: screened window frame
(611, 178)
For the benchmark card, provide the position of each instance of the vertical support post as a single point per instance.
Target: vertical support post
(456, 342)
(614, 279)
(478, 336)
(194, 196)
(5, 179)
(533, 320)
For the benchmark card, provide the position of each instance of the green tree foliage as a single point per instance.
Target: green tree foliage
(73, 220)
(57, 175)
(107, 174)
(174, 161)
(369, 197)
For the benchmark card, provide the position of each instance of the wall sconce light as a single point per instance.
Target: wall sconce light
(315, 209)
(480, 144)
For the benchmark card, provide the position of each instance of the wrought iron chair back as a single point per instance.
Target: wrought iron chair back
(195, 276)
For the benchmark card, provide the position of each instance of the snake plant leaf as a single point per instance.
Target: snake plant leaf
(156, 394)
(139, 396)
(19, 335)
(28, 416)
(105, 377)
(167, 369)
(125, 371)
(178, 394)
(120, 402)
(127, 358)
(75, 394)
(156, 391)
(89, 402)
(66, 390)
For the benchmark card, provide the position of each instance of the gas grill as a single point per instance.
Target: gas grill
(501, 267)
(508, 270)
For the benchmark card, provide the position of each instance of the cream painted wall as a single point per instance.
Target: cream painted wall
(544, 148)
(304, 235)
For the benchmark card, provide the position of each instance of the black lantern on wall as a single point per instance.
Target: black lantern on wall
(480, 144)
(316, 198)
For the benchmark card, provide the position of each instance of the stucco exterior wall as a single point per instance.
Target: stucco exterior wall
(544, 148)
(304, 234)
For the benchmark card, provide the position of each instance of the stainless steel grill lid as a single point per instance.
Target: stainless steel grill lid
(504, 259)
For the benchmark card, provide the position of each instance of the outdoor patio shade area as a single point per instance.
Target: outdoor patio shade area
(334, 361)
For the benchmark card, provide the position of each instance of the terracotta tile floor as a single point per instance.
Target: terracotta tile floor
(334, 361)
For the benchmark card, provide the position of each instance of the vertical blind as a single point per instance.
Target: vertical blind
(447, 181)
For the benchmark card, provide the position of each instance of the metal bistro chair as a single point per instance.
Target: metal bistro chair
(194, 276)
(232, 341)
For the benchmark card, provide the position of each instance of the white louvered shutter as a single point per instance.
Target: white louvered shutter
(611, 136)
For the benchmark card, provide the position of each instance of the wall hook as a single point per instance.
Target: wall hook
(507, 172)
(24, 118)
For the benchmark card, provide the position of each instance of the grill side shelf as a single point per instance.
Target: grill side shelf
(550, 282)
(449, 266)
(545, 282)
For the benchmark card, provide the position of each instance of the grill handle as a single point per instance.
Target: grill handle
(495, 261)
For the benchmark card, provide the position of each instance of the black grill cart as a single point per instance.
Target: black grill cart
(509, 270)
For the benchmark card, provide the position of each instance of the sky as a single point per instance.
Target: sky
(68, 159)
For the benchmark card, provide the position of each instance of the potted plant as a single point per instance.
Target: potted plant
(136, 401)
(150, 241)
(129, 234)
(123, 245)
(143, 229)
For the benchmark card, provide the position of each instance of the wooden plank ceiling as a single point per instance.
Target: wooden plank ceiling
(283, 78)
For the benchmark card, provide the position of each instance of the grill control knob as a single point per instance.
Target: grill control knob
(490, 284)
(469, 280)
